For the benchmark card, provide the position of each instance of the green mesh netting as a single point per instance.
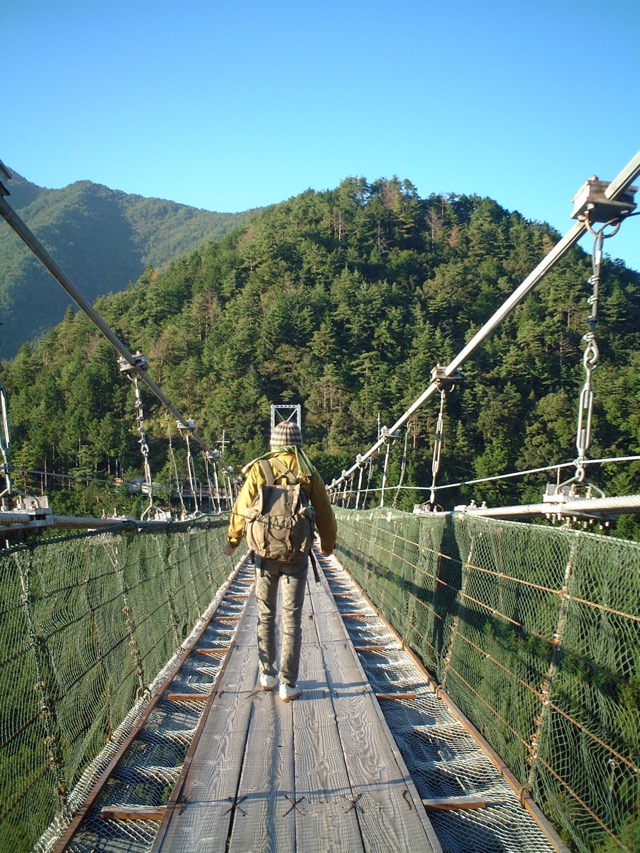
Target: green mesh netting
(86, 623)
(535, 634)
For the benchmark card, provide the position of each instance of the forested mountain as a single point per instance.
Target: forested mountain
(344, 301)
(103, 240)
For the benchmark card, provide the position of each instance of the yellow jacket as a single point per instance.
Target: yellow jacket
(312, 486)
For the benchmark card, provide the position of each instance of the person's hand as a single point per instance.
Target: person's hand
(229, 549)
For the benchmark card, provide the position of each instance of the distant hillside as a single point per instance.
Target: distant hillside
(103, 239)
(344, 301)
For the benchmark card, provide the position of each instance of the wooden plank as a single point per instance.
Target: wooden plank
(195, 637)
(397, 697)
(188, 697)
(453, 803)
(314, 774)
(389, 809)
(267, 779)
(206, 804)
(324, 818)
(132, 812)
(365, 649)
(266, 782)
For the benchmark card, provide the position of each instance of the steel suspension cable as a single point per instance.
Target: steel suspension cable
(25, 234)
(615, 189)
(6, 468)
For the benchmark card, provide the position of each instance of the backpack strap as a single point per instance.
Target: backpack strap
(267, 472)
(283, 472)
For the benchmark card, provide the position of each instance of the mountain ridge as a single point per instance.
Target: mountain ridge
(103, 239)
(343, 301)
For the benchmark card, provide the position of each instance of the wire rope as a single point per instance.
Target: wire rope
(403, 467)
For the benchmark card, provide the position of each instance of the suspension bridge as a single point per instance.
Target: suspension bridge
(470, 681)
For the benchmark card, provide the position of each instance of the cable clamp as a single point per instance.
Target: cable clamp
(444, 381)
(591, 205)
(139, 363)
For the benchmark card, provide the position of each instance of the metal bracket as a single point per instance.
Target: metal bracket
(558, 496)
(592, 205)
(444, 381)
(139, 363)
(387, 436)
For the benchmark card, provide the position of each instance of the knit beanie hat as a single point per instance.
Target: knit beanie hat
(286, 434)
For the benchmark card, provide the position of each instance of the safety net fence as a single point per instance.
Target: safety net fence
(534, 633)
(87, 623)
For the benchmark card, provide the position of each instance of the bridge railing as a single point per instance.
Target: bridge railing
(534, 633)
(86, 624)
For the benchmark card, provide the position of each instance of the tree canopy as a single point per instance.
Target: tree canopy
(344, 301)
(102, 238)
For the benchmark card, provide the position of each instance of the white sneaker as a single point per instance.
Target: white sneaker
(267, 682)
(288, 693)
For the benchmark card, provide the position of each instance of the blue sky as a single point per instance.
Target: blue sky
(228, 106)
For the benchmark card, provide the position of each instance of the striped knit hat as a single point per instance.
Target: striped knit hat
(286, 434)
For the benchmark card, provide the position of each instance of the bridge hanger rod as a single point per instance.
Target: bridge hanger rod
(615, 189)
(45, 258)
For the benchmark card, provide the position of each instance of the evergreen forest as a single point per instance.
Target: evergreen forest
(103, 239)
(344, 301)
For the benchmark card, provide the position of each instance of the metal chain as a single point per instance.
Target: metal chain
(366, 490)
(191, 472)
(360, 473)
(144, 446)
(444, 382)
(388, 441)
(437, 447)
(6, 467)
(403, 466)
(214, 490)
(174, 465)
(590, 361)
(344, 491)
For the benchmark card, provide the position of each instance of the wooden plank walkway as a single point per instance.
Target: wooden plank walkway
(321, 773)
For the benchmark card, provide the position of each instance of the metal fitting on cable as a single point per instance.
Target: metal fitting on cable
(139, 363)
(591, 205)
(443, 383)
(387, 436)
(592, 208)
(442, 380)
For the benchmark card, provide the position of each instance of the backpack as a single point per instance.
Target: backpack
(279, 523)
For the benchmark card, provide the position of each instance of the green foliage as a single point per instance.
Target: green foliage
(103, 239)
(344, 301)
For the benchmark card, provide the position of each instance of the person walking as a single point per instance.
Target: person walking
(286, 463)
